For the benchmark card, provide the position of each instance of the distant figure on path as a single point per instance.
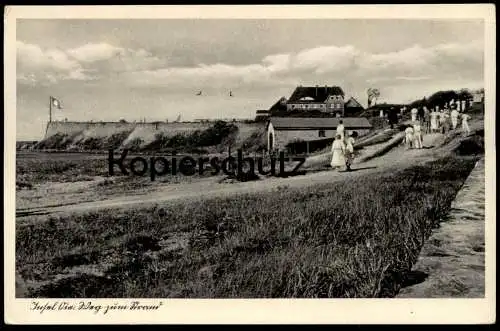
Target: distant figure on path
(393, 117)
(418, 138)
(350, 149)
(427, 120)
(409, 137)
(421, 114)
(454, 117)
(414, 113)
(447, 120)
(442, 121)
(338, 153)
(434, 121)
(341, 129)
(465, 124)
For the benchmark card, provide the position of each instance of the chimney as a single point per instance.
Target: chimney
(317, 90)
(326, 89)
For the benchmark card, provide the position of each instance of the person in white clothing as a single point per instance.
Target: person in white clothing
(409, 137)
(414, 113)
(418, 139)
(465, 124)
(442, 120)
(350, 149)
(338, 153)
(454, 118)
(340, 130)
(434, 121)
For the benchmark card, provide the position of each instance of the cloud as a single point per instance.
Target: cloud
(35, 64)
(344, 64)
(325, 64)
(49, 66)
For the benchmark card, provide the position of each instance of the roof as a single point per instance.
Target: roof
(312, 123)
(317, 94)
(353, 103)
(279, 105)
(262, 111)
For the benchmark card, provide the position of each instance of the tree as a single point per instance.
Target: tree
(373, 95)
(441, 98)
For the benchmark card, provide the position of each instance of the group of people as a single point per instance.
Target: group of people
(436, 121)
(343, 148)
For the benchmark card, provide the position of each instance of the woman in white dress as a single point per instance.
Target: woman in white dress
(338, 153)
(465, 124)
(443, 117)
(341, 130)
(434, 121)
(454, 117)
(409, 137)
(414, 113)
(417, 135)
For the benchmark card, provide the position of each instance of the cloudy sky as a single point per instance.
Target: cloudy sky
(112, 69)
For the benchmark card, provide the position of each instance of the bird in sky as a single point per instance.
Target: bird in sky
(199, 93)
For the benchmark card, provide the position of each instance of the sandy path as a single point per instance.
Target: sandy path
(209, 187)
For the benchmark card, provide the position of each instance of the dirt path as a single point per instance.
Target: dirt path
(452, 263)
(397, 157)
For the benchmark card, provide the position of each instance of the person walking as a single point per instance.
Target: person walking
(409, 137)
(427, 120)
(447, 120)
(393, 118)
(465, 124)
(454, 117)
(434, 121)
(418, 138)
(338, 153)
(341, 130)
(421, 114)
(350, 149)
(414, 113)
(442, 121)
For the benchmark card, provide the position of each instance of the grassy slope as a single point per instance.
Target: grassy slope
(357, 238)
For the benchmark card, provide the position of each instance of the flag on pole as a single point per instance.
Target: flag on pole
(55, 102)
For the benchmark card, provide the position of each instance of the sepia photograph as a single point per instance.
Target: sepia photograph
(254, 158)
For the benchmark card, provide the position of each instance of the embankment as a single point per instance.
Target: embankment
(75, 136)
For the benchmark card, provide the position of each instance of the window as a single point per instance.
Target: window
(321, 133)
(332, 105)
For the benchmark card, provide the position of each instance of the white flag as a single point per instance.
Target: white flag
(56, 103)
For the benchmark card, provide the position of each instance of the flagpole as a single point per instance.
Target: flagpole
(50, 109)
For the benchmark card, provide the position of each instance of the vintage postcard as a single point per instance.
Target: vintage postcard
(250, 164)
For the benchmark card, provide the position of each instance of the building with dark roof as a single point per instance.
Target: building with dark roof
(280, 105)
(352, 107)
(282, 131)
(328, 99)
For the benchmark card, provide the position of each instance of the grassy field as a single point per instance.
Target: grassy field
(356, 238)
